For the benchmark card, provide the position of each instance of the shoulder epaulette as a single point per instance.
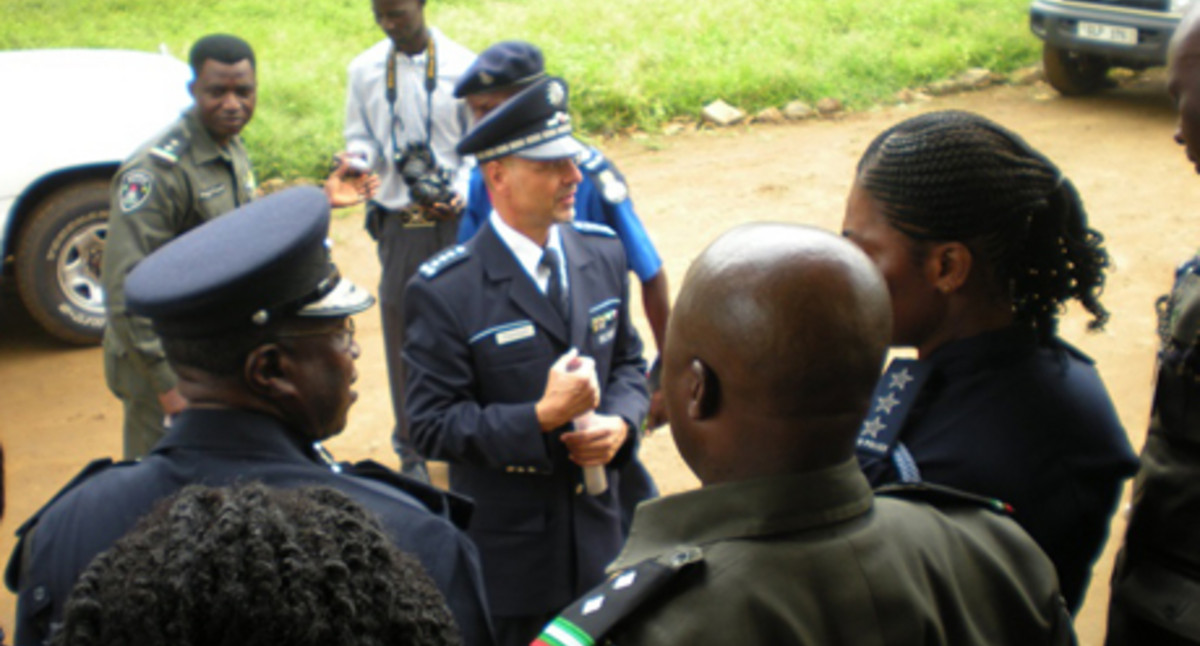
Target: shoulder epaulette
(590, 160)
(94, 467)
(448, 258)
(593, 229)
(457, 509)
(598, 612)
(171, 147)
(941, 496)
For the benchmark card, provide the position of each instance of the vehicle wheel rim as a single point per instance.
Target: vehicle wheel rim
(79, 268)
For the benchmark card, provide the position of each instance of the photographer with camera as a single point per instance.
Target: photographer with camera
(402, 123)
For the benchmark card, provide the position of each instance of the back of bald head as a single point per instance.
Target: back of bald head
(1186, 33)
(794, 321)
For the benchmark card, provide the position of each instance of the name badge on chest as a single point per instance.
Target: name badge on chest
(211, 192)
(506, 333)
(515, 334)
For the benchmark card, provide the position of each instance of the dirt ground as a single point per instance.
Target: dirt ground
(56, 414)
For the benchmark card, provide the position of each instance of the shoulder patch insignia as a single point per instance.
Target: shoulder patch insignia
(593, 229)
(590, 160)
(612, 186)
(942, 496)
(609, 181)
(135, 188)
(448, 258)
(171, 147)
(597, 613)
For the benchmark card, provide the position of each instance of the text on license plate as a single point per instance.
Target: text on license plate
(1107, 33)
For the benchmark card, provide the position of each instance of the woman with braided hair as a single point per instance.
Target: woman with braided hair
(254, 566)
(983, 242)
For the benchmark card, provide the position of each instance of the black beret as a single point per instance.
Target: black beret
(263, 260)
(533, 124)
(505, 64)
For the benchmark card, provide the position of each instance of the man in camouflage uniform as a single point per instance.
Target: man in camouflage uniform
(1156, 580)
(195, 171)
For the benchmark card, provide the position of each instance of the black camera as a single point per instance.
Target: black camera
(428, 183)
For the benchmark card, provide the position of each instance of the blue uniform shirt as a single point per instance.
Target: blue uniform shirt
(1001, 416)
(602, 197)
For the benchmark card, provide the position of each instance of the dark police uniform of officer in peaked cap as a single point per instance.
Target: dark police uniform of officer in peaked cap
(264, 349)
(493, 388)
(499, 72)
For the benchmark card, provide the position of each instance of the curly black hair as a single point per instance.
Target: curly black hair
(250, 566)
(957, 176)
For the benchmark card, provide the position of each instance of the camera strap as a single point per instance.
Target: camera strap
(392, 92)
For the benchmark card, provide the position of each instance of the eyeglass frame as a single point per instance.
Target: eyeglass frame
(343, 335)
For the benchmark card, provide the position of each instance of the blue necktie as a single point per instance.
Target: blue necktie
(554, 288)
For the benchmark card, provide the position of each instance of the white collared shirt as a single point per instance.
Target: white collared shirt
(529, 254)
(368, 129)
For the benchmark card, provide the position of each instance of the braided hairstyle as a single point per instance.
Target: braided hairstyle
(253, 566)
(956, 176)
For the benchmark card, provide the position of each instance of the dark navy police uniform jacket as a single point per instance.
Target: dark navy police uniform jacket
(1001, 416)
(219, 447)
(481, 340)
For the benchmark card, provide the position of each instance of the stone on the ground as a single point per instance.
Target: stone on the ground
(722, 114)
(769, 115)
(798, 110)
(976, 78)
(829, 105)
(1026, 75)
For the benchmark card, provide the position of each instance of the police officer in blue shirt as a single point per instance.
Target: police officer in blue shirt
(263, 345)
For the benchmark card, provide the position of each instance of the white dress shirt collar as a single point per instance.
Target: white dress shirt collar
(528, 253)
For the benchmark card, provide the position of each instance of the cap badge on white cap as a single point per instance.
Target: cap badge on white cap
(556, 94)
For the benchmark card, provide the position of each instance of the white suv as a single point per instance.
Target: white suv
(72, 117)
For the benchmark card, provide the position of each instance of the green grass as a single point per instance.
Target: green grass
(631, 63)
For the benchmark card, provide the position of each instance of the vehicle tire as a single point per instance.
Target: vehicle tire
(1072, 73)
(59, 254)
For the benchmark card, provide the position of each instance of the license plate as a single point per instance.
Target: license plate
(1107, 33)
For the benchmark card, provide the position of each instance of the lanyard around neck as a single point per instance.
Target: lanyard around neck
(392, 91)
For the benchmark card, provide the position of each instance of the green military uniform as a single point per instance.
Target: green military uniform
(1156, 581)
(817, 558)
(177, 181)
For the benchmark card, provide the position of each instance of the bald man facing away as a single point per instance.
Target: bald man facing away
(785, 542)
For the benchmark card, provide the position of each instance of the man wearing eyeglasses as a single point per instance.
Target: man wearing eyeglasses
(264, 349)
